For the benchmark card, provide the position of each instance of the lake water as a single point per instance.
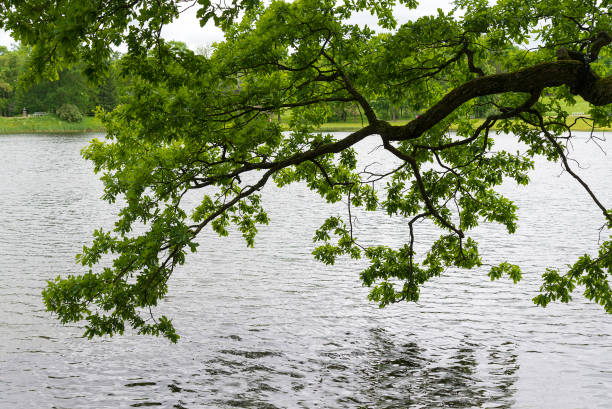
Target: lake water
(270, 327)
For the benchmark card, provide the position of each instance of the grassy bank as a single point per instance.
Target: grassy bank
(580, 108)
(355, 125)
(48, 124)
(52, 124)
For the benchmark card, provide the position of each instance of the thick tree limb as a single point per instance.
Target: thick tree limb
(597, 91)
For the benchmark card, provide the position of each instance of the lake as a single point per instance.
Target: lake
(270, 327)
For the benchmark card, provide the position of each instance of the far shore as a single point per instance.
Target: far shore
(48, 124)
(349, 126)
(53, 125)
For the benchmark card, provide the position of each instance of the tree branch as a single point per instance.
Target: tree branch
(567, 167)
(417, 175)
(597, 91)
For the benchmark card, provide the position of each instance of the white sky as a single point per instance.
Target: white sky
(187, 28)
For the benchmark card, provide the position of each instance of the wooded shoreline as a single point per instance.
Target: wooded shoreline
(580, 126)
(53, 124)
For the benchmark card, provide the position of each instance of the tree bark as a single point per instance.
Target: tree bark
(576, 75)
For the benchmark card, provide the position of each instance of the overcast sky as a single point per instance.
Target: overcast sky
(187, 28)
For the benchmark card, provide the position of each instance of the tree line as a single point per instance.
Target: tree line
(48, 95)
(72, 87)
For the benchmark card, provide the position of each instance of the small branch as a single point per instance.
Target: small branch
(369, 112)
(567, 167)
(417, 174)
(350, 216)
(327, 178)
(603, 38)
(410, 225)
(470, 57)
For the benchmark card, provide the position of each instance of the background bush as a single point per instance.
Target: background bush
(70, 113)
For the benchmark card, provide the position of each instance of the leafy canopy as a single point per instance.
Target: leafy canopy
(203, 123)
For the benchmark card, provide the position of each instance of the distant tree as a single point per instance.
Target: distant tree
(6, 89)
(5, 94)
(107, 94)
(70, 87)
(12, 65)
(201, 123)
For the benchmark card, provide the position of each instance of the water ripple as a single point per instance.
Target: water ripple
(271, 328)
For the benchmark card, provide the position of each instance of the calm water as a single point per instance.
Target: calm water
(271, 328)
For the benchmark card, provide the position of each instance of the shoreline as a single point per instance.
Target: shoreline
(51, 124)
(53, 131)
(356, 125)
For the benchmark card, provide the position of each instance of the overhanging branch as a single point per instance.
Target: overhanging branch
(598, 91)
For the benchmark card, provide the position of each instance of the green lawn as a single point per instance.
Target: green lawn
(350, 126)
(580, 108)
(48, 124)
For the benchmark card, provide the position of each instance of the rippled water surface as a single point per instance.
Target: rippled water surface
(271, 328)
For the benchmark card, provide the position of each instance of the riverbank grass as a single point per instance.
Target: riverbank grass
(355, 125)
(48, 124)
(579, 108)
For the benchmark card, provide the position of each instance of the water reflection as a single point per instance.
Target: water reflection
(409, 375)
